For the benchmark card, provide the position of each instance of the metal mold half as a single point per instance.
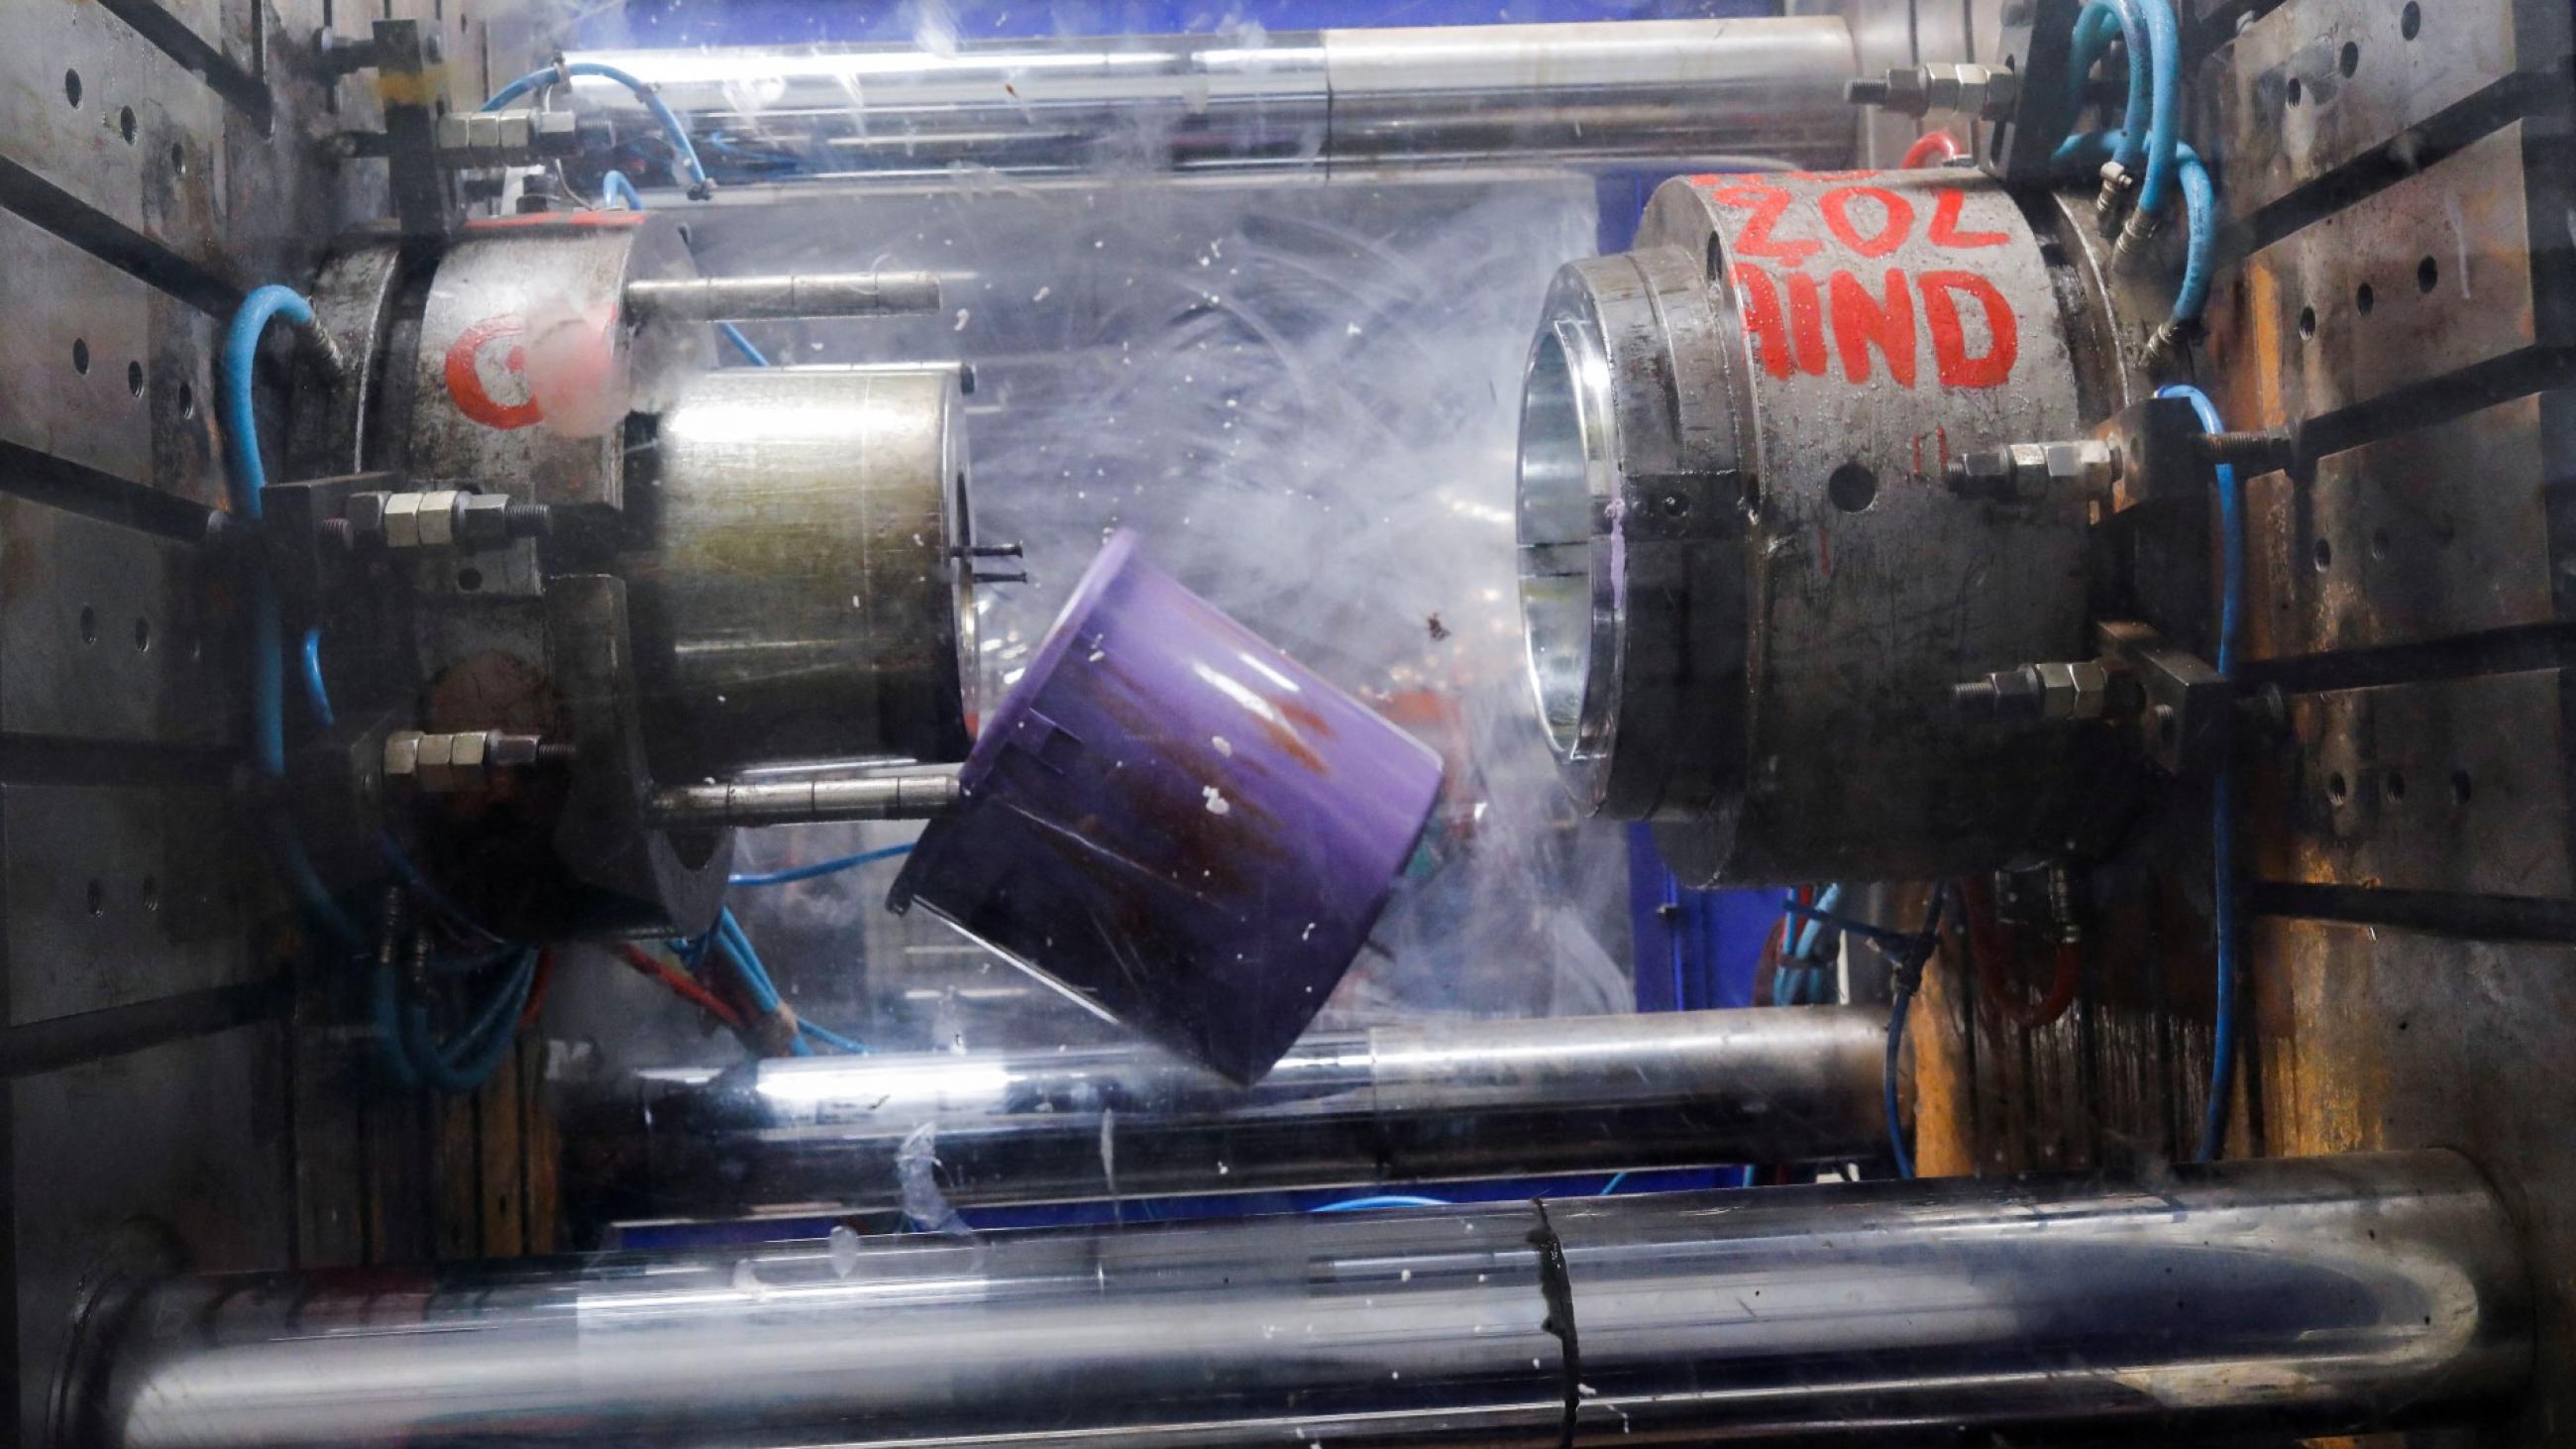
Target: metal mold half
(806, 596)
(1745, 588)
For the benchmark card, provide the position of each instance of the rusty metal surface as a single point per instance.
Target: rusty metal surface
(2457, 267)
(2371, 1038)
(2444, 786)
(2438, 532)
(2319, 84)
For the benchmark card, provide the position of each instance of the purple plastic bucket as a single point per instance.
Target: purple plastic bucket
(1176, 824)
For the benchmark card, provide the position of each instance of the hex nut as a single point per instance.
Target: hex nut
(402, 520)
(402, 754)
(2073, 691)
(483, 520)
(438, 763)
(1974, 90)
(438, 517)
(509, 751)
(365, 512)
(2087, 467)
(465, 760)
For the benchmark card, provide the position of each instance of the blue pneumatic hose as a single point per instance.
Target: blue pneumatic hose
(536, 80)
(246, 479)
(2231, 618)
(2164, 122)
(2100, 21)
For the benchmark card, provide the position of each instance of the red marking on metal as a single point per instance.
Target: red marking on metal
(1760, 302)
(1950, 340)
(1861, 320)
(1768, 203)
(466, 357)
(1896, 219)
(1945, 225)
(556, 218)
(1941, 434)
(1807, 322)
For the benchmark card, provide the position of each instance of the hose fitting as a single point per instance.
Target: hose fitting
(2141, 231)
(2118, 186)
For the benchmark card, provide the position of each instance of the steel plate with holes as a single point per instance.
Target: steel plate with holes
(2427, 535)
(93, 110)
(2451, 786)
(107, 633)
(98, 878)
(77, 377)
(2430, 277)
(2319, 84)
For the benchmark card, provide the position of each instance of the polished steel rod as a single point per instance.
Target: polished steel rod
(1592, 94)
(910, 795)
(754, 299)
(2285, 1297)
(1452, 1100)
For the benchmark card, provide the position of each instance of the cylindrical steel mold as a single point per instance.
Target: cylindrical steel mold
(1177, 824)
(1596, 94)
(1346, 1109)
(805, 596)
(2281, 1297)
(1746, 588)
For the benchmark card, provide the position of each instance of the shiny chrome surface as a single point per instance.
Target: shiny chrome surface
(1566, 482)
(1689, 92)
(1394, 1104)
(747, 299)
(905, 795)
(2284, 1296)
(806, 596)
